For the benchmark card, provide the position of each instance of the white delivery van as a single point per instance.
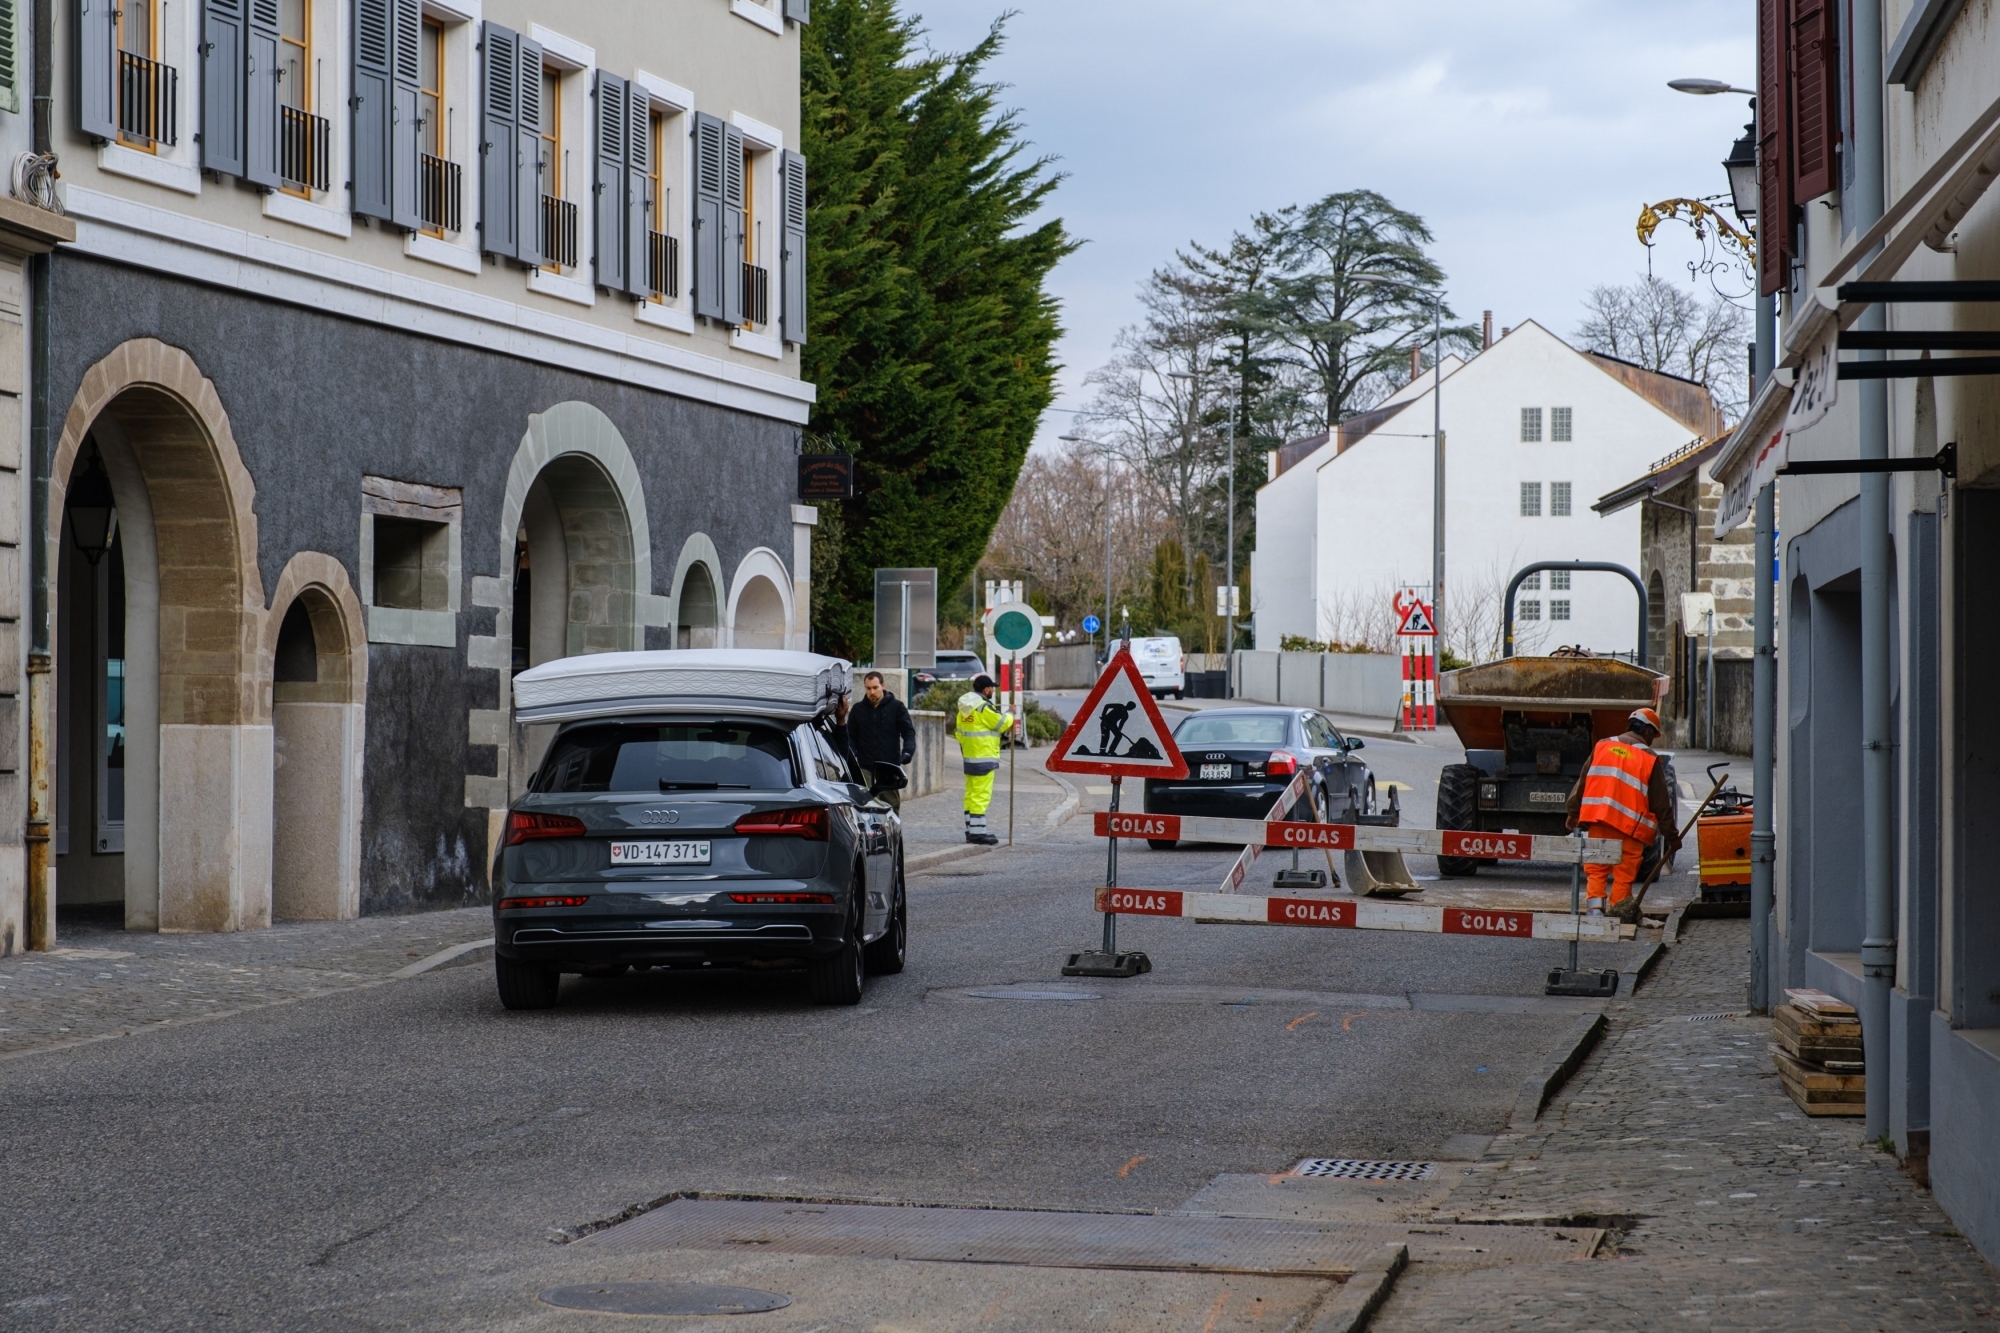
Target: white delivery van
(1161, 664)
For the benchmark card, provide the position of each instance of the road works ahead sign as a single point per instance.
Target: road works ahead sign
(1119, 731)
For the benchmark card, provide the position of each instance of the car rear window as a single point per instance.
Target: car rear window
(668, 756)
(1251, 729)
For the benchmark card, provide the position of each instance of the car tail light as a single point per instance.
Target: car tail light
(781, 898)
(515, 904)
(809, 821)
(524, 826)
(1280, 765)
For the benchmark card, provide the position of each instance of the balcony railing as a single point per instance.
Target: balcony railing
(148, 92)
(663, 265)
(558, 232)
(303, 148)
(756, 294)
(440, 187)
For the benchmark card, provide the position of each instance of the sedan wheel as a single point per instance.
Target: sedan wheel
(524, 985)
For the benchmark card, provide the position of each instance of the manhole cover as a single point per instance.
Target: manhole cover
(1347, 1168)
(1031, 995)
(664, 1298)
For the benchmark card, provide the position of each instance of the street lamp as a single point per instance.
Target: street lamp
(1707, 87)
(1085, 439)
(1741, 164)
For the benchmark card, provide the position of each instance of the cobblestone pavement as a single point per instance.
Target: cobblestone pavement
(99, 981)
(1733, 1209)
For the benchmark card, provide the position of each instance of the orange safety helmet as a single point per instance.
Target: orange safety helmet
(1646, 717)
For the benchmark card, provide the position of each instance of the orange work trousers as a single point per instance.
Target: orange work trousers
(1623, 875)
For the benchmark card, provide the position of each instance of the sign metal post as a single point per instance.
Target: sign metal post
(1014, 632)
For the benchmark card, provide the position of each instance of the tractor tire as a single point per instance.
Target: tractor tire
(1458, 808)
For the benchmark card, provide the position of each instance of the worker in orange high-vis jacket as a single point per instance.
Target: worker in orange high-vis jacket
(1623, 794)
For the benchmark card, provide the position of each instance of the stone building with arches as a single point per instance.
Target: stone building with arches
(319, 477)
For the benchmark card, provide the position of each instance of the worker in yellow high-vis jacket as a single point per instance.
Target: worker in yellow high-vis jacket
(980, 725)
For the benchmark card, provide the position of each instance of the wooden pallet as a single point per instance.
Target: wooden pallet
(1818, 1092)
(1812, 1040)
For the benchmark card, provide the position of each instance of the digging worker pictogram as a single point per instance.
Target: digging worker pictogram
(1623, 794)
(980, 725)
(1111, 727)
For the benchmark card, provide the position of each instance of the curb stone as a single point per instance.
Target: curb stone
(1356, 1300)
(1537, 1089)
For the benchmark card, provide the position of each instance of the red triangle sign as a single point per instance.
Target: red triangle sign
(1416, 621)
(1118, 731)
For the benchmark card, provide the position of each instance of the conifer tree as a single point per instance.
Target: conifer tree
(932, 332)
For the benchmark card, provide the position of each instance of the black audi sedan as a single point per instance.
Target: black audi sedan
(1240, 760)
(716, 839)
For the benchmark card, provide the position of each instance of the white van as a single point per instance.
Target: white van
(1162, 665)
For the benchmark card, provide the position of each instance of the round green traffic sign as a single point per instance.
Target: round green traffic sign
(1013, 631)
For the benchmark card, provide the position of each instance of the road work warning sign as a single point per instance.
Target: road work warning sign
(1119, 731)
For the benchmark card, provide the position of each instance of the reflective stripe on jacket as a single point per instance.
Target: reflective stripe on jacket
(1616, 787)
(979, 727)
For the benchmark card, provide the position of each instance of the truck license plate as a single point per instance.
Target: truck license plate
(1217, 772)
(659, 853)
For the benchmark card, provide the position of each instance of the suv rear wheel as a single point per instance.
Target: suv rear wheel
(525, 985)
(839, 977)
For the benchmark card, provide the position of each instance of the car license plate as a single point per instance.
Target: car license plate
(1217, 772)
(659, 853)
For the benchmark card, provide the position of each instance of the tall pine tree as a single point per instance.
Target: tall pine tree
(932, 333)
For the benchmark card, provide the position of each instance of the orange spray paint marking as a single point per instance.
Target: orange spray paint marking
(1126, 1169)
(1293, 1026)
(1347, 1020)
(1215, 1314)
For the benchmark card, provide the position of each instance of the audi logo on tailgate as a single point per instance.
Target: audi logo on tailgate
(659, 816)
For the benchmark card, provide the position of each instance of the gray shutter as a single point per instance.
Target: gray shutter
(10, 55)
(607, 164)
(260, 103)
(732, 225)
(405, 75)
(528, 154)
(371, 101)
(798, 11)
(499, 151)
(710, 233)
(96, 45)
(792, 255)
(222, 65)
(639, 202)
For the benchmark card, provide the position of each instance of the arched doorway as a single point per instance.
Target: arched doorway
(1656, 623)
(319, 666)
(180, 559)
(573, 570)
(760, 604)
(698, 623)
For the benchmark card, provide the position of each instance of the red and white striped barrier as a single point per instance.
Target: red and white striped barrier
(1359, 838)
(1419, 683)
(1253, 849)
(1354, 914)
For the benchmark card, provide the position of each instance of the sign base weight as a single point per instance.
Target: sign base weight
(1097, 963)
(1591, 985)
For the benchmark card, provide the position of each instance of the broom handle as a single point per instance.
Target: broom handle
(1659, 865)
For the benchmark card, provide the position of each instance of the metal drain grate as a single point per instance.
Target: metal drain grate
(1347, 1168)
(1711, 1018)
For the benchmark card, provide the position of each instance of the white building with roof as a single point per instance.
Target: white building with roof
(1535, 431)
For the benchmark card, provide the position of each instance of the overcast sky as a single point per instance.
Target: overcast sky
(1526, 133)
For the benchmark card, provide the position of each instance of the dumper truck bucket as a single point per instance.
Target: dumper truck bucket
(1379, 875)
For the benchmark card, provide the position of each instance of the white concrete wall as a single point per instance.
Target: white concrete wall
(1371, 527)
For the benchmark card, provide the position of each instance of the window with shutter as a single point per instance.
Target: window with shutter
(608, 148)
(798, 11)
(374, 190)
(96, 59)
(638, 192)
(223, 66)
(499, 146)
(711, 233)
(1774, 171)
(792, 259)
(10, 56)
(405, 110)
(1815, 100)
(261, 102)
(736, 232)
(537, 162)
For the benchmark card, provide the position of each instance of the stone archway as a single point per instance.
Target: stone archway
(197, 853)
(697, 597)
(760, 603)
(318, 654)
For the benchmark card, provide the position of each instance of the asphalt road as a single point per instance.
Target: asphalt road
(398, 1156)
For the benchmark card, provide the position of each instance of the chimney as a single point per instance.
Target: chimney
(1416, 363)
(1505, 332)
(1486, 331)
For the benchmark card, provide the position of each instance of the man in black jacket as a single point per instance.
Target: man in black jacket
(880, 730)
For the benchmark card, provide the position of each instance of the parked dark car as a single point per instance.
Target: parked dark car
(1240, 760)
(703, 840)
(951, 664)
